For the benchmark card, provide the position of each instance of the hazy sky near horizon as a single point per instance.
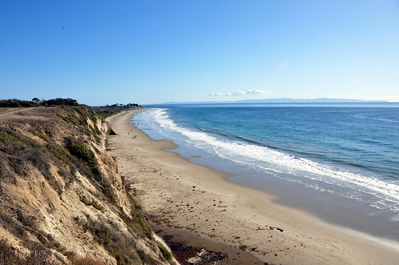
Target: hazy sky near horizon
(105, 52)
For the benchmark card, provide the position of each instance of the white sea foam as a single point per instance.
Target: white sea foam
(269, 159)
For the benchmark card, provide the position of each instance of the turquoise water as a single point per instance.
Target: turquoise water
(346, 150)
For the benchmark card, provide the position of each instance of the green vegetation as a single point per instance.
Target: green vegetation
(58, 102)
(35, 102)
(165, 252)
(17, 103)
(84, 119)
(81, 151)
(137, 222)
(102, 112)
(59, 152)
(105, 115)
(118, 246)
(107, 111)
(138, 217)
(109, 192)
(12, 137)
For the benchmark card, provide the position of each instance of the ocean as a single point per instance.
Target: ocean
(339, 161)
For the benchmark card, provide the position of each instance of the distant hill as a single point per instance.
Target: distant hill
(278, 100)
(306, 100)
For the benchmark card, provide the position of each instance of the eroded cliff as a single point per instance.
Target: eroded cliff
(62, 199)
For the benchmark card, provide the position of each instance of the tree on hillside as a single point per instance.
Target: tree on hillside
(60, 101)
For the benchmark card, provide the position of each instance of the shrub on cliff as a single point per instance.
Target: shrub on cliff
(16, 103)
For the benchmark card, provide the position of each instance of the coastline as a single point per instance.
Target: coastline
(199, 204)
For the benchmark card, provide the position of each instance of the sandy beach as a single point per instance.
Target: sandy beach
(199, 207)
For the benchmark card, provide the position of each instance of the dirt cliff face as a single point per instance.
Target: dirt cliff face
(62, 199)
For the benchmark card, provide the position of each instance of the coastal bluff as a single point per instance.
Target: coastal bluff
(62, 197)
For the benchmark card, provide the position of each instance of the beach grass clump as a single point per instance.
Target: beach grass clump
(20, 154)
(118, 246)
(138, 217)
(137, 220)
(41, 135)
(88, 165)
(84, 154)
(59, 152)
(80, 150)
(165, 252)
(80, 117)
(103, 116)
(12, 137)
(109, 192)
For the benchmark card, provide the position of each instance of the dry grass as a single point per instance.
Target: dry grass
(87, 260)
(38, 256)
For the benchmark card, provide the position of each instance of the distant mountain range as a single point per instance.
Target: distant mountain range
(280, 100)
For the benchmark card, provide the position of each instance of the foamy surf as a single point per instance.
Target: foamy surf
(379, 194)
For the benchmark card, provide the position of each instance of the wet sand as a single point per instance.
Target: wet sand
(199, 206)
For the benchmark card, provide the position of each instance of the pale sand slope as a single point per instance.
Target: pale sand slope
(198, 199)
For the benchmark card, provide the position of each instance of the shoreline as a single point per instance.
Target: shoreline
(201, 202)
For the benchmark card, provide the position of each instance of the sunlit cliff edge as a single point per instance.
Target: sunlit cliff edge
(62, 198)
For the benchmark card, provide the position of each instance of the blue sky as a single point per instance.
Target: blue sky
(105, 52)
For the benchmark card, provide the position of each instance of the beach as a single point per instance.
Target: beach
(199, 207)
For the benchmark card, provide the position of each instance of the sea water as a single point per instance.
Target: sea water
(339, 161)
